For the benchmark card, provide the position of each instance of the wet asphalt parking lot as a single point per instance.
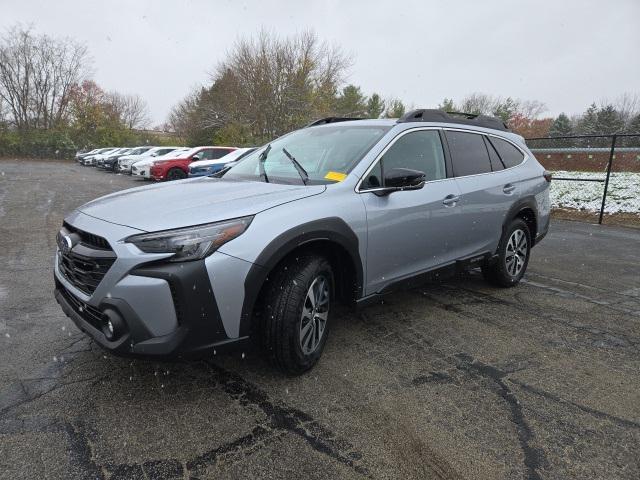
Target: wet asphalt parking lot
(457, 380)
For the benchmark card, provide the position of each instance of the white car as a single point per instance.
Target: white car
(143, 167)
(91, 159)
(125, 163)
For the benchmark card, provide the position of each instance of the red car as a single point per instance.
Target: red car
(178, 167)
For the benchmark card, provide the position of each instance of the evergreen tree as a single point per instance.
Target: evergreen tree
(351, 102)
(375, 106)
(634, 125)
(505, 109)
(447, 105)
(561, 126)
(609, 120)
(395, 109)
(588, 123)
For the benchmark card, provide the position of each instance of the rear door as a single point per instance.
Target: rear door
(409, 232)
(487, 188)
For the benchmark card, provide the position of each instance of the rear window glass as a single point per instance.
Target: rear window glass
(509, 154)
(468, 153)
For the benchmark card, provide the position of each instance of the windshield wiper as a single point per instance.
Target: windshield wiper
(261, 159)
(301, 171)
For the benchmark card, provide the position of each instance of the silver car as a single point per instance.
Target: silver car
(339, 211)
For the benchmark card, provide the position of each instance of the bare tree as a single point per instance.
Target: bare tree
(131, 110)
(271, 84)
(37, 73)
(627, 105)
(479, 103)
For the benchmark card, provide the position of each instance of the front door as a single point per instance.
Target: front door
(413, 231)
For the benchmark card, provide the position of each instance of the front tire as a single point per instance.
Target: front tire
(297, 313)
(512, 256)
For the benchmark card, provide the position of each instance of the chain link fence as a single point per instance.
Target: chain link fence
(593, 175)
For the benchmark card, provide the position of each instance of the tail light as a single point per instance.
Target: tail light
(547, 175)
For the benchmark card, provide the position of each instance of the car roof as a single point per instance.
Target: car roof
(393, 122)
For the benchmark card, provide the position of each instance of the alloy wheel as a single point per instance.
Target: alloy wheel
(315, 312)
(516, 254)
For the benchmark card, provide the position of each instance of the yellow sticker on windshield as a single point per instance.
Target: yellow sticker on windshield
(337, 176)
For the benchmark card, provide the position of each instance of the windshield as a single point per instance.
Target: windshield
(327, 154)
(173, 153)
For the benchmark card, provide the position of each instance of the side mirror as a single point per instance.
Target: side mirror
(402, 179)
(195, 158)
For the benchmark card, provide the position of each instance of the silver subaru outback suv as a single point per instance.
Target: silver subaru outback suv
(341, 210)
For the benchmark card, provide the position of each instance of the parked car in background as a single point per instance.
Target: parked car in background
(80, 155)
(342, 210)
(100, 158)
(201, 168)
(178, 167)
(125, 163)
(142, 168)
(90, 160)
(112, 160)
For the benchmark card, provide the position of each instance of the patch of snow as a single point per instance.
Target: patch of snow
(623, 195)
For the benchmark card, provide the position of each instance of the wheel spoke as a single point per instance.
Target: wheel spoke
(315, 313)
(305, 329)
(311, 297)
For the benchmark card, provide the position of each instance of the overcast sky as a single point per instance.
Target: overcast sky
(564, 53)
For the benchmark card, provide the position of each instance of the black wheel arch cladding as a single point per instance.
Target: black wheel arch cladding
(523, 204)
(331, 230)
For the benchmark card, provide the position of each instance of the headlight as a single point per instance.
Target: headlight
(191, 243)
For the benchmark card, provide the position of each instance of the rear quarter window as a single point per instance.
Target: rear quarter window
(509, 154)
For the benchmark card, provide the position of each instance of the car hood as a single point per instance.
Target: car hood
(146, 162)
(192, 202)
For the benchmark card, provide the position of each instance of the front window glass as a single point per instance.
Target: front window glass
(421, 151)
(327, 153)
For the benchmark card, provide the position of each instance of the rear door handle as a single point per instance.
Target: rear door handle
(508, 188)
(451, 200)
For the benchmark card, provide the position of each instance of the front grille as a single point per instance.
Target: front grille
(89, 239)
(84, 272)
(87, 262)
(86, 311)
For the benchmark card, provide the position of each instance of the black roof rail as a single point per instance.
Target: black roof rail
(432, 115)
(324, 121)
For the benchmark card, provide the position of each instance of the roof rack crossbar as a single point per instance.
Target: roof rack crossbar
(324, 121)
(432, 115)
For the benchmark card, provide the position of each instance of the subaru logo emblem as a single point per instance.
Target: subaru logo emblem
(65, 244)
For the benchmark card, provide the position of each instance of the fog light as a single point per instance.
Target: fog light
(113, 325)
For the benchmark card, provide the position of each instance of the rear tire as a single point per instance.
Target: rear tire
(176, 174)
(512, 256)
(296, 313)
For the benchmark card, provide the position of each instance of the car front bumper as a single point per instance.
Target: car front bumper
(140, 172)
(165, 308)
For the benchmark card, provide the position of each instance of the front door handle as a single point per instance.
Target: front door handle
(509, 188)
(450, 200)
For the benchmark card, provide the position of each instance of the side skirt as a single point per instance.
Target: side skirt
(439, 273)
